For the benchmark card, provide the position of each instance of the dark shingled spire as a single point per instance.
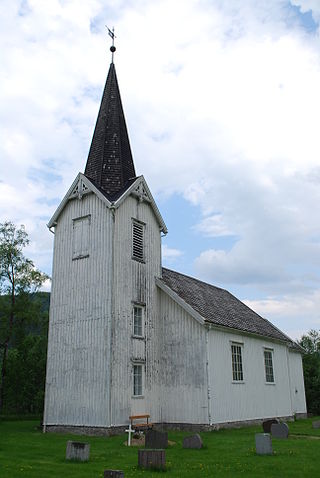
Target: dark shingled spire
(110, 164)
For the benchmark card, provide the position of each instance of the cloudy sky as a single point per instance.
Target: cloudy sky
(222, 100)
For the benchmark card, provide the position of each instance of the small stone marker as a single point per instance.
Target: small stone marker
(263, 444)
(193, 441)
(113, 474)
(155, 439)
(316, 424)
(77, 451)
(266, 425)
(155, 459)
(279, 430)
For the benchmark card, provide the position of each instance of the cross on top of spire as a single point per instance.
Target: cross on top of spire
(112, 48)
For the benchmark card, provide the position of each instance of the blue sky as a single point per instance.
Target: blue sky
(222, 104)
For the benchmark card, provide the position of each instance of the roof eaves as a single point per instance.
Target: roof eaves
(67, 197)
(127, 192)
(173, 295)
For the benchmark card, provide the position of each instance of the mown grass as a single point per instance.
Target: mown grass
(26, 451)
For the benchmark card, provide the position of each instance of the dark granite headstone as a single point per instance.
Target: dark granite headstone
(193, 441)
(113, 474)
(316, 424)
(154, 459)
(279, 430)
(263, 444)
(77, 451)
(155, 439)
(266, 425)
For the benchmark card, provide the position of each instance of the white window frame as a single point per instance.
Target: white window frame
(81, 237)
(136, 328)
(137, 380)
(268, 367)
(138, 240)
(237, 362)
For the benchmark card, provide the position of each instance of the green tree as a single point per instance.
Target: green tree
(19, 279)
(311, 369)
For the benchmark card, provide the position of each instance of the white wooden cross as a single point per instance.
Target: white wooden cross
(129, 431)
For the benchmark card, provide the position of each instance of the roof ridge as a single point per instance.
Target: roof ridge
(197, 280)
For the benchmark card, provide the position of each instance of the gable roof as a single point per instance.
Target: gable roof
(110, 164)
(219, 307)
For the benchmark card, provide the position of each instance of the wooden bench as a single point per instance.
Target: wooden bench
(140, 425)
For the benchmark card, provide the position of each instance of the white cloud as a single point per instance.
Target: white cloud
(221, 100)
(169, 254)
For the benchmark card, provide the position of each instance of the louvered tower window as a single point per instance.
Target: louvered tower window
(138, 241)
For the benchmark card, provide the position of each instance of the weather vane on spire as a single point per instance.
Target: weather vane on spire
(112, 48)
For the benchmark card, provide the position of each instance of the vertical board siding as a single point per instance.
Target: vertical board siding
(182, 365)
(134, 282)
(298, 396)
(77, 381)
(254, 398)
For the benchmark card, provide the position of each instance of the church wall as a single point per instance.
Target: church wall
(253, 398)
(184, 392)
(134, 284)
(297, 383)
(78, 365)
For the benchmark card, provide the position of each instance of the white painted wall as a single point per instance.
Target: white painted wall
(231, 401)
(298, 396)
(184, 391)
(134, 282)
(78, 365)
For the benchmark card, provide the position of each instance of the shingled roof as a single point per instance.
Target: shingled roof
(110, 164)
(219, 307)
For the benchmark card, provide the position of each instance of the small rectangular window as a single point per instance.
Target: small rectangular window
(138, 241)
(237, 370)
(137, 380)
(138, 321)
(268, 364)
(80, 245)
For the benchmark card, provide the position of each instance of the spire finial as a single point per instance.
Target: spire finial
(112, 48)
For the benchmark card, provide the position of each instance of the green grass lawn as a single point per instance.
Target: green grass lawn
(26, 452)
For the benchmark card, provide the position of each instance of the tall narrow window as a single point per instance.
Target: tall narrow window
(237, 370)
(137, 380)
(80, 246)
(138, 321)
(138, 241)
(268, 365)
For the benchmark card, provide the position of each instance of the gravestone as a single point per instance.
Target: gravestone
(113, 474)
(77, 451)
(263, 444)
(266, 425)
(279, 430)
(316, 424)
(154, 459)
(155, 439)
(193, 441)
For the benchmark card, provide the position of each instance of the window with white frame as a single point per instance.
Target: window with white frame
(138, 240)
(137, 380)
(80, 240)
(138, 321)
(268, 365)
(237, 368)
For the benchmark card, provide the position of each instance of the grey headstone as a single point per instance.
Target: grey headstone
(263, 444)
(155, 439)
(154, 459)
(77, 451)
(266, 425)
(279, 430)
(113, 474)
(316, 424)
(193, 441)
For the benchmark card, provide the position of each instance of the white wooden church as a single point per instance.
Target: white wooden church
(127, 336)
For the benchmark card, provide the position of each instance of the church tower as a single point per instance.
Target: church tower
(102, 363)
